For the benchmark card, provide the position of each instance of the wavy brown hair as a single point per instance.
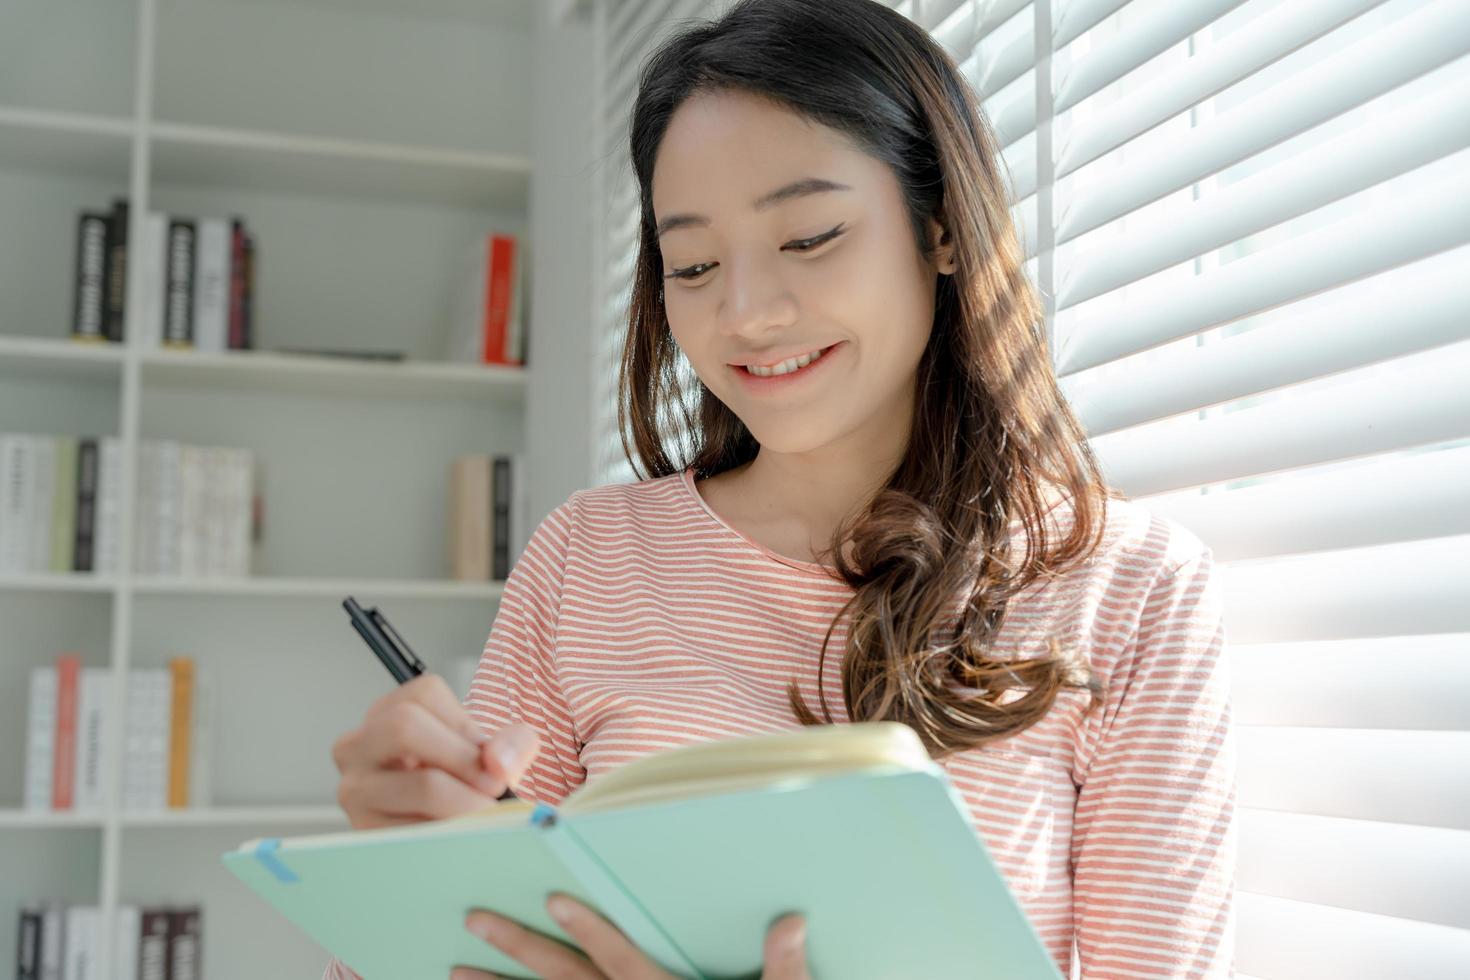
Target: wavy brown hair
(932, 563)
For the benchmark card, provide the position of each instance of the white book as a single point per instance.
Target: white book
(40, 738)
(212, 285)
(145, 763)
(201, 729)
(53, 939)
(92, 695)
(191, 504)
(43, 502)
(218, 510)
(158, 717)
(127, 933)
(166, 487)
(79, 961)
(109, 502)
(241, 487)
(154, 235)
(145, 510)
(15, 489)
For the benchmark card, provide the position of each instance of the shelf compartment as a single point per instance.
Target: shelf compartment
(191, 154)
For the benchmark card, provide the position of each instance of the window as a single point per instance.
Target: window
(1250, 224)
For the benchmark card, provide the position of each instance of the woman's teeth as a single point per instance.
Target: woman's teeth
(785, 367)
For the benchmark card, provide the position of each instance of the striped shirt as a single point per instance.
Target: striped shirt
(638, 620)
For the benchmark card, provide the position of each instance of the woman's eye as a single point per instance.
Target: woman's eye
(807, 244)
(802, 245)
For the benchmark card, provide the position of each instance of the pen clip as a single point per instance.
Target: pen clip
(399, 644)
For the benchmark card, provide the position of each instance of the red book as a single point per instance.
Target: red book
(236, 338)
(64, 758)
(499, 283)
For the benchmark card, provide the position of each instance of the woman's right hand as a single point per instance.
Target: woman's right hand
(418, 756)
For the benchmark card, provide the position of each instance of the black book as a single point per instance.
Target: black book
(117, 269)
(178, 308)
(183, 943)
(153, 959)
(249, 301)
(28, 945)
(89, 308)
(500, 523)
(87, 451)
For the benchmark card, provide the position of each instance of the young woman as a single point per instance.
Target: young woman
(869, 501)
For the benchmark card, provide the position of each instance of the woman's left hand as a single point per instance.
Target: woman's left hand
(609, 954)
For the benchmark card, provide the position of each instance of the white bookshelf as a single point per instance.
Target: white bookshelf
(366, 144)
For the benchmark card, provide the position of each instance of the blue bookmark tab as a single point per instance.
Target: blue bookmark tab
(543, 815)
(265, 852)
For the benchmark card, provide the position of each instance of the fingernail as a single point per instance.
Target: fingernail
(561, 910)
(508, 749)
(487, 927)
(795, 938)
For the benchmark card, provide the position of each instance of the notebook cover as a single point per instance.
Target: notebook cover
(892, 879)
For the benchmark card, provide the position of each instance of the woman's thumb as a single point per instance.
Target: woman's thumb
(509, 751)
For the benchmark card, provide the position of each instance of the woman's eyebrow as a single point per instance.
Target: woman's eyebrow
(797, 188)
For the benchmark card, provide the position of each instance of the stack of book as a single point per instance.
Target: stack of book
(489, 306)
(197, 276)
(166, 739)
(57, 940)
(488, 510)
(198, 508)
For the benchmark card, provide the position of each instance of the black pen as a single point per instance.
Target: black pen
(391, 649)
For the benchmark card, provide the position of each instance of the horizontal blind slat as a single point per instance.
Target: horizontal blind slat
(1159, 28)
(1386, 775)
(1386, 590)
(1432, 129)
(1264, 40)
(1422, 41)
(1289, 940)
(1417, 400)
(1431, 219)
(1418, 873)
(1378, 501)
(1425, 302)
(1073, 19)
(1343, 683)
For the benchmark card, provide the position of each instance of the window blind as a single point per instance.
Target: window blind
(1250, 226)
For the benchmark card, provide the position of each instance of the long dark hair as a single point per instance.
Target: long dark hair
(991, 428)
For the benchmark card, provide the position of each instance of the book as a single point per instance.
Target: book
(167, 736)
(89, 298)
(693, 852)
(117, 271)
(58, 940)
(489, 310)
(177, 329)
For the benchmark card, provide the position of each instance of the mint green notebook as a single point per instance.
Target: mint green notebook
(693, 852)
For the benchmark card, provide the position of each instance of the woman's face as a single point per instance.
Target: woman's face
(751, 280)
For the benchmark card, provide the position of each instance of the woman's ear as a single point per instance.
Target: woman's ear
(943, 247)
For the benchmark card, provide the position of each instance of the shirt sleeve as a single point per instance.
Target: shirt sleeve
(1154, 837)
(516, 678)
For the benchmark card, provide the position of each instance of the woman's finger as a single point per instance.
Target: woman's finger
(408, 728)
(542, 955)
(785, 950)
(612, 952)
(470, 973)
(412, 795)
